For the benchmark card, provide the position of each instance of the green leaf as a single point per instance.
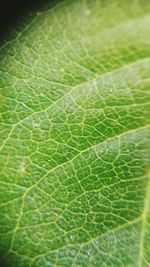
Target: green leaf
(74, 136)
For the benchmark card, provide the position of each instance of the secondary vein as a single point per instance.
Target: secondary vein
(144, 218)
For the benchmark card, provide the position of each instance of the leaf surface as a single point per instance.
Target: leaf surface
(74, 142)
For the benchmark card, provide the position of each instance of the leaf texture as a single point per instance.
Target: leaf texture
(74, 136)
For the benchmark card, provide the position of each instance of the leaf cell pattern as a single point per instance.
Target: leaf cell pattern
(74, 136)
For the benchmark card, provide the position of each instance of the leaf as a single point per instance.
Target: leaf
(75, 156)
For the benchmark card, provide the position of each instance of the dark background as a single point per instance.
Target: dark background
(11, 10)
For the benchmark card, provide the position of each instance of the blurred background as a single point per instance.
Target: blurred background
(12, 10)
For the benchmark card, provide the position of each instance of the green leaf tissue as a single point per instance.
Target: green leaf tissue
(75, 136)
